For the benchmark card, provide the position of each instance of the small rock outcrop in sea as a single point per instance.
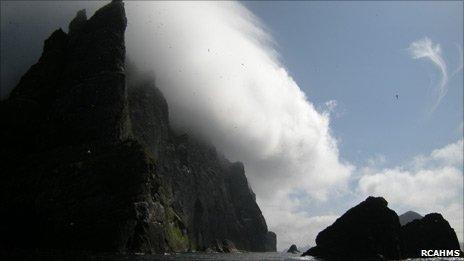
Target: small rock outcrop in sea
(368, 231)
(90, 162)
(430, 232)
(293, 249)
(408, 217)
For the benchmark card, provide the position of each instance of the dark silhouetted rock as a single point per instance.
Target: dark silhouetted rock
(408, 217)
(76, 25)
(90, 162)
(368, 231)
(271, 242)
(293, 249)
(431, 232)
(72, 176)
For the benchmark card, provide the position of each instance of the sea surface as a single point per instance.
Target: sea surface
(186, 257)
(232, 257)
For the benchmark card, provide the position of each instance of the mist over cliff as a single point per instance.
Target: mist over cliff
(220, 73)
(88, 140)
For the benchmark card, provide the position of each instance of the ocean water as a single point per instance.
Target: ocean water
(232, 257)
(182, 257)
(212, 256)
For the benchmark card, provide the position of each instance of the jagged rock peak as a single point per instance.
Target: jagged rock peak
(58, 39)
(75, 26)
(111, 15)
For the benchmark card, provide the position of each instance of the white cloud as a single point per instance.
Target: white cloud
(218, 69)
(433, 183)
(424, 48)
(330, 105)
(450, 154)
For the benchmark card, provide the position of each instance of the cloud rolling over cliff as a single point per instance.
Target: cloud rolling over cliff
(218, 69)
(222, 78)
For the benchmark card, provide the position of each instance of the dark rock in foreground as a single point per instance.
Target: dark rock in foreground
(371, 231)
(368, 231)
(431, 232)
(409, 216)
(90, 163)
(71, 175)
(293, 249)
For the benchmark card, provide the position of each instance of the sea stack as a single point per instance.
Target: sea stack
(368, 231)
(293, 249)
(91, 163)
(372, 231)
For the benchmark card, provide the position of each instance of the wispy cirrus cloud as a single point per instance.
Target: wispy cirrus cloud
(424, 48)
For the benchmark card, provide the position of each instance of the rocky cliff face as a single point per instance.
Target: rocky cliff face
(210, 194)
(89, 161)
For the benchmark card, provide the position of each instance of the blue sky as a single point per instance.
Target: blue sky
(355, 53)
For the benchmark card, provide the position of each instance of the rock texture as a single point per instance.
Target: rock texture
(409, 216)
(368, 231)
(293, 249)
(210, 194)
(430, 232)
(89, 161)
